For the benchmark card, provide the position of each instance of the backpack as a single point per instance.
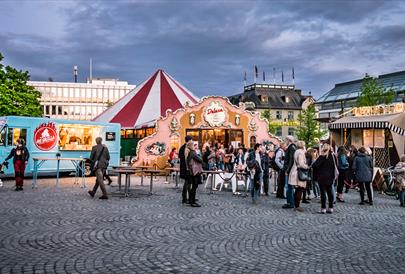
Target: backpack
(273, 164)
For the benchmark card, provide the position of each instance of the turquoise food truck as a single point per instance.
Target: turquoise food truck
(52, 138)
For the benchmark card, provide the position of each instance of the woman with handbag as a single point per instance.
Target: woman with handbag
(324, 170)
(20, 157)
(194, 165)
(299, 174)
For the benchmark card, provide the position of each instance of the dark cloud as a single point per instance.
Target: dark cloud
(206, 45)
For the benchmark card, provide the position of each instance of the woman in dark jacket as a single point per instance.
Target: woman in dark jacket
(324, 173)
(20, 157)
(363, 167)
(194, 180)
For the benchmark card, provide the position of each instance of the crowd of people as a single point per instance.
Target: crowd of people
(323, 172)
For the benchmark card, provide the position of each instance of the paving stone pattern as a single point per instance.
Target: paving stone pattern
(62, 230)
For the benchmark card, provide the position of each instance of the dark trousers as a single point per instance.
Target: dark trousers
(341, 180)
(194, 182)
(367, 185)
(298, 196)
(19, 170)
(326, 190)
(100, 181)
(307, 192)
(186, 188)
(280, 184)
(266, 181)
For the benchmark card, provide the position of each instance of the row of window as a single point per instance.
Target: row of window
(73, 111)
(279, 131)
(290, 115)
(86, 94)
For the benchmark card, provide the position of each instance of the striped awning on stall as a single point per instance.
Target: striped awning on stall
(390, 121)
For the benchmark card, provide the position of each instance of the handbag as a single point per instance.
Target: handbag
(304, 174)
(195, 167)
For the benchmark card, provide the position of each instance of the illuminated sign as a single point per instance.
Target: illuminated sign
(45, 136)
(215, 114)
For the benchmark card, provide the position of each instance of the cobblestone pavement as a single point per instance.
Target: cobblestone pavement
(62, 230)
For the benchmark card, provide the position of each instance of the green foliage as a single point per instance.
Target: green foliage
(373, 93)
(309, 129)
(267, 115)
(16, 97)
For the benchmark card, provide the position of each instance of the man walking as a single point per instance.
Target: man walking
(99, 158)
(288, 163)
(183, 169)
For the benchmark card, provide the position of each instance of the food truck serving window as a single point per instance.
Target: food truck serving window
(16, 133)
(77, 137)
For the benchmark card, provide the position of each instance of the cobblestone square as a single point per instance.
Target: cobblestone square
(62, 230)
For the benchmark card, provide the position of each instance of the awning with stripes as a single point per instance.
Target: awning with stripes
(394, 122)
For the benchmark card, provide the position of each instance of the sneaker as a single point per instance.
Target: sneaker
(103, 197)
(340, 200)
(184, 202)
(299, 209)
(370, 203)
(323, 211)
(403, 205)
(347, 190)
(17, 188)
(361, 203)
(329, 211)
(306, 202)
(91, 193)
(195, 205)
(287, 206)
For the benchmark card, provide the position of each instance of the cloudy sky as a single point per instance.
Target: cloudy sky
(205, 45)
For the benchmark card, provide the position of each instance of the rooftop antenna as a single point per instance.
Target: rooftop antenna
(75, 73)
(91, 70)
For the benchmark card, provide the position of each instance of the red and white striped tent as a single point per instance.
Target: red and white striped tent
(148, 101)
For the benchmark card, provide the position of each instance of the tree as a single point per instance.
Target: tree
(373, 93)
(309, 129)
(16, 97)
(266, 114)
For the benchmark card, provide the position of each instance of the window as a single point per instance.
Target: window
(2, 135)
(16, 133)
(290, 115)
(77, 137)
(279, 131)
(59, 110)
(53, 110)
(47, 110)
(291, 131)
(279, 116)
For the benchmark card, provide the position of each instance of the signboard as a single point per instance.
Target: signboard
(215, 114)
(110, 136)
(45, 136)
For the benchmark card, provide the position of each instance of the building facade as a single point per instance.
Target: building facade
(80, 101)
(343, 96)
(284, 102)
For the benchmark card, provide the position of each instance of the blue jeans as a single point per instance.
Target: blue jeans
(334, 193)
(402, 197)
(315, 188)
(253, 191)
(290, 192)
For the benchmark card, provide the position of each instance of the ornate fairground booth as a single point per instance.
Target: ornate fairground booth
(212, 119)
(381, 128)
